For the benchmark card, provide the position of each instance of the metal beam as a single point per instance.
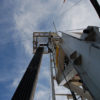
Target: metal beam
(26, 87)
(52, 81)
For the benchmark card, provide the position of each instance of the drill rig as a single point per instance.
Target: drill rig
(75, 59)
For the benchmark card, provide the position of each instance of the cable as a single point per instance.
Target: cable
(69, 10)
(55, 26)
(73, 6)
(65, 11)
(60, 3)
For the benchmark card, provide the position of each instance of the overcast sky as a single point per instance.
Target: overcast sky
(18, 20)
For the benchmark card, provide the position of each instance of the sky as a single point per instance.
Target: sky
(18, 20)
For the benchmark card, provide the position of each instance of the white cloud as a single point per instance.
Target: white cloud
(42, 92)
(15, 82)
(79, 16)
(42, 95)
(29, 15)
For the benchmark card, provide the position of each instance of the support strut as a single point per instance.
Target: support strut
(26, 87)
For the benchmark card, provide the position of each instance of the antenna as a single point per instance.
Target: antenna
(54, 26)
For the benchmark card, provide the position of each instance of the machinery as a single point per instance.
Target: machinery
(75, 58)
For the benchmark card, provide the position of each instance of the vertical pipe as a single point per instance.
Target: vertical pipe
(26, 87)
(52, 81)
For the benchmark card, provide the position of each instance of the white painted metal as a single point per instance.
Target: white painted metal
(90, 69)
(52, 81)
